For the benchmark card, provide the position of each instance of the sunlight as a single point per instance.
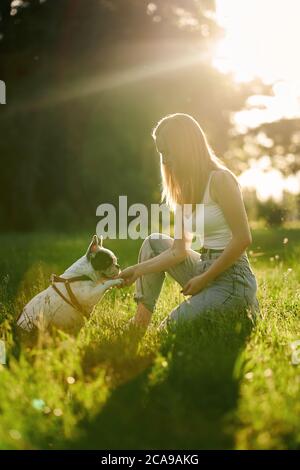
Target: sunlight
(269, 183)
(261, 38)
(258, 41)
(284, 104)
(84, 87)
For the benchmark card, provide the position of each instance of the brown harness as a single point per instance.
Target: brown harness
(72, 300)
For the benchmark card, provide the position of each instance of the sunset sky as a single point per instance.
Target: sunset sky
(261, 40)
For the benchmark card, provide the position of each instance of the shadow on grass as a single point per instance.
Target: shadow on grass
(186, 397)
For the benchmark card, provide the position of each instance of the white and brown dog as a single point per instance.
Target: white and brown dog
(73, 295)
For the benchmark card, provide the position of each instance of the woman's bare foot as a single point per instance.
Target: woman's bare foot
(142, 317)
(140, 322)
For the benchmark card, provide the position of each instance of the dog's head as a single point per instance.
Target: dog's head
(102, 260)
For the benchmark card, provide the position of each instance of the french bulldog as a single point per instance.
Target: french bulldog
(72, 296)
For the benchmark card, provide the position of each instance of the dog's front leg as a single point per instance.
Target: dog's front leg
(98, 291)
(111, 283)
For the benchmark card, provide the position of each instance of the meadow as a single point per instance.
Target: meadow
(222, 382)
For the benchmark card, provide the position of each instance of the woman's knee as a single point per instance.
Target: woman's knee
(191, 309)
(154, 244)
(174, 318)
(183, 312)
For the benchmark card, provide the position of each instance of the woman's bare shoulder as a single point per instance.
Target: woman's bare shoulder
(222, 179)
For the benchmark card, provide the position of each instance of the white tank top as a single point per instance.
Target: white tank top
(217, 233)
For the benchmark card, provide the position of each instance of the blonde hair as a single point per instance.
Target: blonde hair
(186, 159)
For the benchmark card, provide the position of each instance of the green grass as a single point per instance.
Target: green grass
(216, 383)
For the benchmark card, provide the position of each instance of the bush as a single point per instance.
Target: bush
(274, 214)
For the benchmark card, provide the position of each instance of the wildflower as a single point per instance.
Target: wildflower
(38, 404)
(70, 380)
(268, 373)
(249, 375)
(14, 434)
(57, 412)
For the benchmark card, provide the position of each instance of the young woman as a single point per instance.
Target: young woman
(219, 277)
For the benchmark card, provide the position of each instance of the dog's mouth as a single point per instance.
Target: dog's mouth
(118, 274)
(114, 275)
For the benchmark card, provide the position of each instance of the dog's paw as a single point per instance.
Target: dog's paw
(117, 282)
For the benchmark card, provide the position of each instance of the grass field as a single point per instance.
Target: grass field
(216, 383)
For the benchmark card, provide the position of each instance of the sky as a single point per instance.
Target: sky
(261, 40)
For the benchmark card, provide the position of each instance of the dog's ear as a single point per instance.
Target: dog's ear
(93, 246)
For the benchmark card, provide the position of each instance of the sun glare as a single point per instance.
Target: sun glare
(261, 39)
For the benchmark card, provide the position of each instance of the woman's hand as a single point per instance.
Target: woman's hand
(129, 275)
(195, 285)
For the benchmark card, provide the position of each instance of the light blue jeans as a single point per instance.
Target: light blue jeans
(234, 289)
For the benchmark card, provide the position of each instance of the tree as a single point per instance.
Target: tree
(71, 143)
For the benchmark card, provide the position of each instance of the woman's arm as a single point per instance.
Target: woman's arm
(170, 257)
(227, 194)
